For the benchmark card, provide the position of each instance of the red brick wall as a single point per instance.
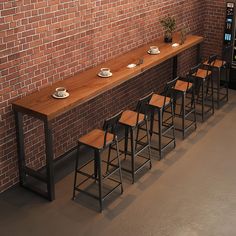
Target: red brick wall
(45, 41)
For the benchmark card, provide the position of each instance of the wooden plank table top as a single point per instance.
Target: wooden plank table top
(87, 84)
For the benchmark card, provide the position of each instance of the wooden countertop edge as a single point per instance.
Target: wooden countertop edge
(28, 111)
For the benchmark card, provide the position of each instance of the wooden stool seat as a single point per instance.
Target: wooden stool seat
(158, 101)
(95, 139)
(218, 63)
(129, 118)
(201, 73)
(183, 86)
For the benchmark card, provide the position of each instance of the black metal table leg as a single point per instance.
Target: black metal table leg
(25, 172)
(76, 171)
(198, 53)
(175, 65)
(20, 146)
(49, 160)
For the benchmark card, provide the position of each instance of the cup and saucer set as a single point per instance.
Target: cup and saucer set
(105, 73)
(60, 93)
(153, 50)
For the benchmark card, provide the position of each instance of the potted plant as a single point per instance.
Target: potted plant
(169, 25)
(183, 33)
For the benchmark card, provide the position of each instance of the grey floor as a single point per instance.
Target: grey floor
(192, 192)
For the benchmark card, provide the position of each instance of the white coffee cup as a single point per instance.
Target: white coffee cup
(61, 91)
(154, 49)
(105, 71)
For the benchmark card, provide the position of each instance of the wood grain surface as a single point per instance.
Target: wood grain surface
(87, 85)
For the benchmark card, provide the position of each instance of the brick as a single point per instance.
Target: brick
(4, 26)
(8, 12)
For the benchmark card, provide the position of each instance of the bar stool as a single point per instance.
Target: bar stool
(182, 89)
(202, 78)
(135, 121)
(161, 104)
(218, 67)
(99, 140)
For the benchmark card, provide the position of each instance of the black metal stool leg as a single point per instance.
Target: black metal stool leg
(193, 103)
(160, 111)
(203, 100)
(109, 157)
(126, 140)
(99, 170)
(136, 139)
(227, 83)
(151, 123)
(172, 119)
(212, 95)
(119, 164)
(95, 167)
(183, 115)
(174, 101)
(207, 86)
(149, 143)
(132, 155)
(218, 89)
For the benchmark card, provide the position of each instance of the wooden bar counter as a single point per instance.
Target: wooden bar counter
(84, 87)
(87, 85)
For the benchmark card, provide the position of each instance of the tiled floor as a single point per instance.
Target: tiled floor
(192, 192)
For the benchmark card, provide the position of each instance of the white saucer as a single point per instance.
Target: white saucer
(174, 45)
(104, 76)
(151, 53)
(131, 66)
(66, 95)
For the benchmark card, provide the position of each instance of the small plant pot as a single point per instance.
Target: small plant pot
(168, 40)
(168, 37)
